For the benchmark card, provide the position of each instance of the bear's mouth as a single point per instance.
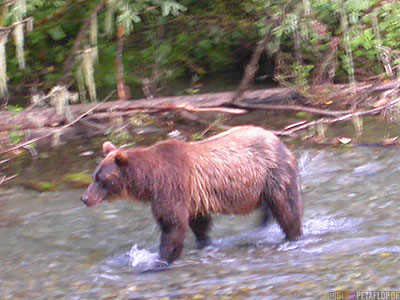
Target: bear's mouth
(94, 195)
(94, 202)
(91, 201)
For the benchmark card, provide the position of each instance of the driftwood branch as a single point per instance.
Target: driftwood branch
(5, 178)
(291, 129)
(5, 161)
(58, 130)
(203, 122)
(186, 108)
(189, 108)
(298, 108)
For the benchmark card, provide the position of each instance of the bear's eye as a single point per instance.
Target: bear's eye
(101, 181)
(103, 184)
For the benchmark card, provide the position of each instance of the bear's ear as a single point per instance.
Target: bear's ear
(108, 147)
(121, 159)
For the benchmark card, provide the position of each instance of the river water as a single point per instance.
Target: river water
(53, 247)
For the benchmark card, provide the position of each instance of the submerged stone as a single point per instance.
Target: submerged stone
(77, 180)
(41, 186)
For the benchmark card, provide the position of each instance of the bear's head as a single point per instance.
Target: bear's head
(109, 178)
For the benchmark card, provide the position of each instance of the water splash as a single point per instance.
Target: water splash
(272, 235)
(143, 260)
(368, 169)
(312, 164)
(347, 245)
(324, 225)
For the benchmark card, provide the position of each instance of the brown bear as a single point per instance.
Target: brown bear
(233, 172)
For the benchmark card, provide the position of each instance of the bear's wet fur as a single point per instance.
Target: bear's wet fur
(234, 172)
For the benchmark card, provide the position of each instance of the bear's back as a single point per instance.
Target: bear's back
(229, 170)
(242, 133)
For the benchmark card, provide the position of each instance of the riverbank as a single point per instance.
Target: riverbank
(334, 103)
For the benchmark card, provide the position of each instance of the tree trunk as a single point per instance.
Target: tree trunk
(252, 67)
(123, 90)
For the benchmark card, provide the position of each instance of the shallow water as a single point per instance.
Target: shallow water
(53, 247)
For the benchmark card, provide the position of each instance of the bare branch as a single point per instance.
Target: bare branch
(11, 27)
(299, 108)
(5, 178)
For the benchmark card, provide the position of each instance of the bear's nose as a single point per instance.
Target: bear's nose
(84, 199)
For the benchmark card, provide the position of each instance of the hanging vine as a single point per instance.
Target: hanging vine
(3, 62)
(93, 31)
(18, 32)
(18, 13)
(109, 18)
(88, 58)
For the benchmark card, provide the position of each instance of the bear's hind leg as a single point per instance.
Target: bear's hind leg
(287, 208)
(200, 226)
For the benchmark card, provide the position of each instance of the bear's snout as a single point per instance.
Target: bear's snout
(93, 196)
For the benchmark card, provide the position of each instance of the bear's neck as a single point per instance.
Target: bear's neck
(158, 169)
(139, 172)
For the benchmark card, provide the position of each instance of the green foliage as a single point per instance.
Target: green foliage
(171, 7)
(41, 186)
(15, 137)
(56, 33)
(301, 74)
(15, 109)
(130, 12)
(178, 38)
(119, 136)
(141, 119)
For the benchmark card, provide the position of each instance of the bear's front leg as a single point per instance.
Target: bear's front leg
(172, 237)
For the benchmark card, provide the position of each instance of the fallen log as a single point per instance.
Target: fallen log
(211, 103)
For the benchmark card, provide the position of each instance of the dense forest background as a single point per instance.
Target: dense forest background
(144, 45)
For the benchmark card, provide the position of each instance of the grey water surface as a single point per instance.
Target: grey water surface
(53, 247)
